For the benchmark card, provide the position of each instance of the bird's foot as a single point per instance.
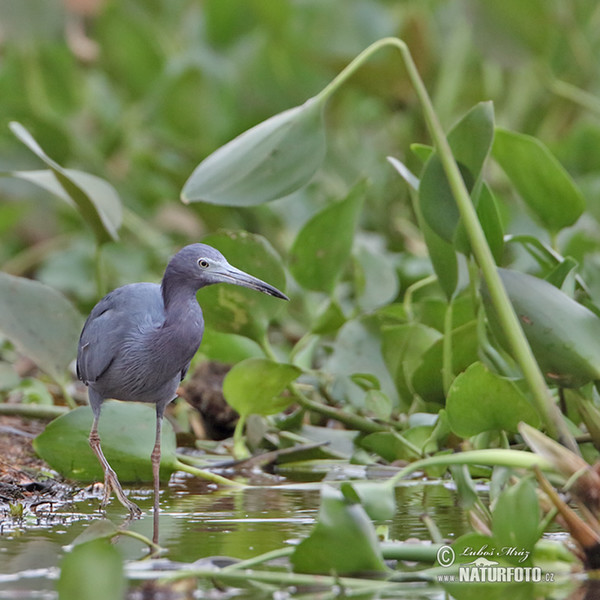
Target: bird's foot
(111, 483)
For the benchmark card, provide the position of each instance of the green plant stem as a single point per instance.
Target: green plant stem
(203, 474)
(33, 411)
(410, 291)
(261, 558)
(239, 447)
(577, 95)
(282, 578)
(447, 372)
(494, 457)
(346, 418)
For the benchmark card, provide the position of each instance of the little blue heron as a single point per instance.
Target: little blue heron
(138, 342)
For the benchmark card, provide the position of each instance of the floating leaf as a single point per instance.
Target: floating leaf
(378, 499)
(322, 247)
(253, 386)
(127, 431)
(95, 198)
(234, 309)
(40, 322)
(563, 334)
(539, 178)
(92, 571)
(480, 400)
(269, 161)
(342, 541)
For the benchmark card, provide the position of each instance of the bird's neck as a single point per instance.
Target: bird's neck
(180, 302)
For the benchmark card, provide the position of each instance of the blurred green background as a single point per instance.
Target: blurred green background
(140, 91)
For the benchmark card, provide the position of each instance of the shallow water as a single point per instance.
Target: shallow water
(199, 522)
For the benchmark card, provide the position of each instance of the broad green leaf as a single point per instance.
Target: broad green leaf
(127, 431)
(443, 259)
(441, 253)
(427, 378)
(515, 520)
(269, 161)
(92, 571)
(357, 350)
(322, 247)
(95, 199)
(470, 140)
(491, 223)
(329, 320)
(378, 499)
(479, 400)
(403, 347)
(40, 322)
(101, 529)
(234, 309)
(254, 385)
(375, 276)
(563, 334)
(343, 540)
(542, 182)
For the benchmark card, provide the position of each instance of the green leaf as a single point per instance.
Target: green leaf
(96, 199)
(491, 223)
(563, 334)
(358, 350)
(403, 347)
(322, 247)
(480, 400)
(470, 140)
(375, 276)
(127, 431)
(427, 379)
(234, 309)
(378, 499)
(443, 259)
(343, 540)
(253, 386)
(40, 322)
(542, 182)
(515, 519)
(92, 571)
(269, 161)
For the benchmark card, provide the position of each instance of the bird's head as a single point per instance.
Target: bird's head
(203, 265)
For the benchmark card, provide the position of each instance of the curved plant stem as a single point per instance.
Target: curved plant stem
(203, 474)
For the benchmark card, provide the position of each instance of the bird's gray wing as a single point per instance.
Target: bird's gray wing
(110, 323)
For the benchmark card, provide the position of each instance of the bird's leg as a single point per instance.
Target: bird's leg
(111, 481)
(155, 457)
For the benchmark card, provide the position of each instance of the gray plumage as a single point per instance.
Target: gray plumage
(138, 341)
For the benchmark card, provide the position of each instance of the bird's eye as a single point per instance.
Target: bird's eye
(203, 263)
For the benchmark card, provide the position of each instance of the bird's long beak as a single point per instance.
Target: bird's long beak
(238, 277)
